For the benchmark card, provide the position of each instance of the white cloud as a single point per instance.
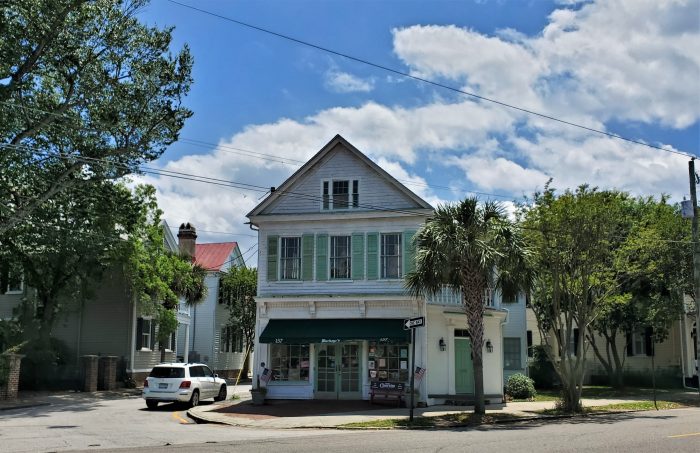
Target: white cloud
(342, 82)
(598, 62)
(625, 60)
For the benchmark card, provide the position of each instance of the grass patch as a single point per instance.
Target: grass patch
(631, 406)
(234, 397)
(439, 421)
(542, 395)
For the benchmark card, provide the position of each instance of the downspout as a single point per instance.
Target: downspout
(132, 343)
(505, 322)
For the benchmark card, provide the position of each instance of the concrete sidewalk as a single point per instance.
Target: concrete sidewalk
(28, 399)
(214, 414)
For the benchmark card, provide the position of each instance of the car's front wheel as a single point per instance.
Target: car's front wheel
(194, 399)
(222, 394)
(151, 404)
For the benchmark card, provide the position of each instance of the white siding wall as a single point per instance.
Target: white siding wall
(7, 303)
(440, 376)
(202, 319)
(516, 327)
(322, 286)
(341, 164)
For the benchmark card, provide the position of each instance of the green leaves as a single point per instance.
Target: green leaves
(85, 80)
(238, 288)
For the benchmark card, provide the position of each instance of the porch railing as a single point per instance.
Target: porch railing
(449, 296)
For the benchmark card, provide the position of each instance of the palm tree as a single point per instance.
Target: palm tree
(470, 247)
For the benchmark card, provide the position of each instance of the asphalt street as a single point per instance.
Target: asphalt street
(83, 422)
(124, 423)
(664, 431)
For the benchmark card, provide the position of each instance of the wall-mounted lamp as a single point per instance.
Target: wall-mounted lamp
(489, 346)
(442, 344)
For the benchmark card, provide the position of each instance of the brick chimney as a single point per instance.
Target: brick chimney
(186, 238)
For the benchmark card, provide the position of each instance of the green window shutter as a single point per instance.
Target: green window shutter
(139, 333)
(358, 256)
(372, 256)
(307, 258)
(409, 252)
(153, 335)
(272, 258)
(322, 257)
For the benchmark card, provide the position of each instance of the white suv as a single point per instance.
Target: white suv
(182, 382)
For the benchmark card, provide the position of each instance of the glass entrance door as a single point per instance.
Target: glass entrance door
(338, 371)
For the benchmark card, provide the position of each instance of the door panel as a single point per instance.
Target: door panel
(325, 371)
(338, 371)
(464, 369)
(349, 371)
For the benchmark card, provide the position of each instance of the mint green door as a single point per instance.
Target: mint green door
(338, 371)
(464, 370)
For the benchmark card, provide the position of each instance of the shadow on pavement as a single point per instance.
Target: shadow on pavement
(300, 408)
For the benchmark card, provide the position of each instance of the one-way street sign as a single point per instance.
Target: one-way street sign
(414, 322)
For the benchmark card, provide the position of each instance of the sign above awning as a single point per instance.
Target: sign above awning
(305, 331)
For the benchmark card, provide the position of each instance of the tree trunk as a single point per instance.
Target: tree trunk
(473, 289)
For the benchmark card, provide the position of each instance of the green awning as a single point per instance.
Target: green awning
(305, 331)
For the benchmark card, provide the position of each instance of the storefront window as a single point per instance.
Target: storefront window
(289, 362)
(388, 362)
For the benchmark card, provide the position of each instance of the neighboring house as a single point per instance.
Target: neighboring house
(109, 324)
(675, 359)
(210, 339)
(334, 246)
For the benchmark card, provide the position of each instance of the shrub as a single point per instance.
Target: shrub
(520, 386)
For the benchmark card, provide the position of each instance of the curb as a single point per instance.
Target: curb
(24, 406)
(202, 418)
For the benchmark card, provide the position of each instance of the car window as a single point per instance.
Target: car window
(207, 371)
(196, 371)
(164, 372)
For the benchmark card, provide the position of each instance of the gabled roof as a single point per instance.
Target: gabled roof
(338, 139)
(214, 256)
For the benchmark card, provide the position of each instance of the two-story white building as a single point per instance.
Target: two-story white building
(334, 247)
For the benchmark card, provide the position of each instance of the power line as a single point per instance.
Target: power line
(213, 181)
(428, 81)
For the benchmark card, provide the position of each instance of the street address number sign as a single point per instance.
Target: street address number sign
(414, 322)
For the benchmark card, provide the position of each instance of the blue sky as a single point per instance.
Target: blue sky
(627, 67)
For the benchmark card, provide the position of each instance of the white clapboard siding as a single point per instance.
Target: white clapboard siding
(336, 227)
(374, 189)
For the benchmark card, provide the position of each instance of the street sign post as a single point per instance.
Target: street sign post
(412, 324)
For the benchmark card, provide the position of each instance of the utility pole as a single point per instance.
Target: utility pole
(696, 262)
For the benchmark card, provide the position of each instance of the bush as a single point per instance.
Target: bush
(520, 386)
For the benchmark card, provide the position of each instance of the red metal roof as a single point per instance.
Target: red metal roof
(213, 256)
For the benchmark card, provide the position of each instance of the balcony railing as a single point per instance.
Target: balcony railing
(449, 296)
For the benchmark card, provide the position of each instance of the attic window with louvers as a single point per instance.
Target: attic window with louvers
(340, 194)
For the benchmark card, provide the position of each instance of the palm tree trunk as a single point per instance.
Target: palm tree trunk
(473, 299)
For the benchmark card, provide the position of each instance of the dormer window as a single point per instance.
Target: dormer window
(340, 194)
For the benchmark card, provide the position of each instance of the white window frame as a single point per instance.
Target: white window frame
(383, 256)
(283, 259)
(146, 333)
(332, 257)
(639, 344)
(20, 290)
(520, 353)
(353, 196)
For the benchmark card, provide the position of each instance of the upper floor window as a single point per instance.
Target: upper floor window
(290, 258)
(15, 283)
(341, 194)
(391, 255)
(340, 257)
